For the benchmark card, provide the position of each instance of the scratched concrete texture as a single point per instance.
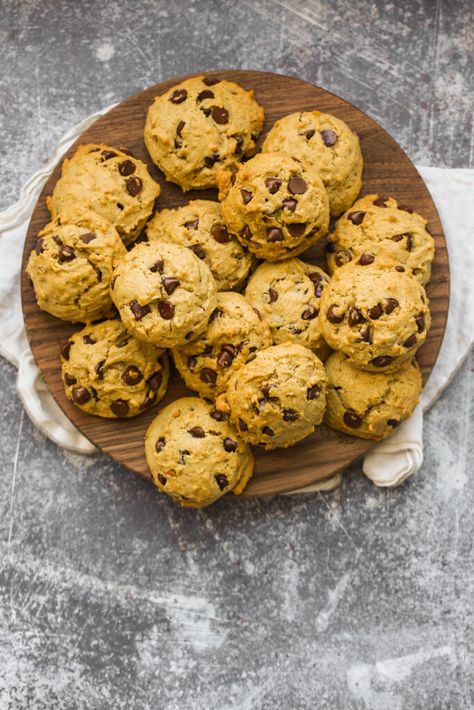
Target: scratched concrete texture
(111, 596)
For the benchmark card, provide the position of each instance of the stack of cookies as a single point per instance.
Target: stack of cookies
(272, 345)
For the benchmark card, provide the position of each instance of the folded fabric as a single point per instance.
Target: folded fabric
(389, 462)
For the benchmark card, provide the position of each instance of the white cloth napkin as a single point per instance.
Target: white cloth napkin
(389, 462)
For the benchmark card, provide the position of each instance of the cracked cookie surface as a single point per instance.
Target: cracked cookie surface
(71, 266)
(200, 124)
(195, 455)
(369, 404)
(108, 372)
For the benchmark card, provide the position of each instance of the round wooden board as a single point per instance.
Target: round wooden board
(387, 171)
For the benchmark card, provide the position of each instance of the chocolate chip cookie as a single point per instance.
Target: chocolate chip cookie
(164, 293)
(71, 266)
(108, 181)
(369, 404)
(108, 372)
(287, 294)
(236, 332)
(200, 227)
(375, 312)
(195, 455)
(201, 124)
(278, 398)
(379, 225)
(326, 143)
(277, 207)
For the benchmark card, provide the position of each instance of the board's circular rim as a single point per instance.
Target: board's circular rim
(159, 88)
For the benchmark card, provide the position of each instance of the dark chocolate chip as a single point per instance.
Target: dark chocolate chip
(192, 362)
(355, 317)
(132, 375)
(239, 144)
(80, 395)
(352, 419)
(120, 206)
(272, 185)
(99, 369)
(88, 237)
(193, 224)
(220, 115)
(267, 431)
(206, 111)
(332, 316)
(198, 250)
(66, 349)
(226, 357)
(296, 185)
(411, 341)
(313, 392)
(211, 160)
(274, 234)
(218, 416)
(230, 445)
(272, 295)
(375, 312)
(401, 269)
(39, 246)
(216, 313)
(309, 134)
(390, 304)
(366, 258)
(394, 423)
(178, 96)
(126, 167)
(157, 266)
(120, 408)
(208, 376)
(197, 432)
(170, 284)
(162, 479)
(139, 311)
(221, 480)
(356, 217)
(420, 322)
(329, 137)
(87, 340)
(290, 415)
(246, 233)
(122, 342)
(220, 234)
(108, 154)
(366, 334)
(409, 243)
(233, 178)
(242, 425)
(205, 94)
(246, 196)
(165, 309)
(66, 254)
(210, 81)
(296, 229)
(343, 256)
(134, 185)
(330, 247)
(290, 204)
(179, 128)
(381, 202)
(309, 313)
(69, 379)
(382, 360)
(160, 444)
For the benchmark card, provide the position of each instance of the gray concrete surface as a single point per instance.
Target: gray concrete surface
(112, 597)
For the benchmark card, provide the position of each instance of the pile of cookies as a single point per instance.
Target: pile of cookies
(273, 345)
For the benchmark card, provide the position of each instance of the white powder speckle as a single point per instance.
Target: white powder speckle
(105, 51)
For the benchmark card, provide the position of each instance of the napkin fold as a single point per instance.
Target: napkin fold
(391, 461)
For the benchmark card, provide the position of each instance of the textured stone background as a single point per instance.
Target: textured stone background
(112, 597)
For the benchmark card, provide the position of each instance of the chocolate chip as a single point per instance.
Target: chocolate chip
(80, 395)
(132, 375)
(239, 143)
(112, 282)
(318, 288)
(352, 419)
(157, 266)
(160, 444)
(99, 369)
(375, 312)
(296, 185)
(205, 94)
(206, 111)
(139, 311)
(382, 360)
(313, 392)
(208, 376)
(87, 340)
(108, 154)
(170, 284)
(66, 349)
(218, 416)
(242, 425)
(390, 304)
(220, 114)
(178, 96)
(393, 423)
(274, 234)
(233, 178)
(193, 224)
(272, 295)
(122, 342)
(134, 185)
(192, 362)
(309, 313)
(329, 137)
(332, 316)
(366, 334)
(179, 128)
(226, 356)
(39, 246)
(119, 408)
(290, 415)
(272, 185)
(356, 217)
(220, 234)
(290, 204)
(210, 81)
(230, 445)
(162, 479)
(420, 322)
(267, 431)
(355, 317)
(66, 254)
(381, 202)
(126, 167)
(125, 150)
(366, 258)
(411, 341)
(88, 237)
(401, 269)
(211, 160)
(69, 379)
(409, 244)
(246, 233)
(343, 256)
(246, 196)
(330, 247)
(216, 313)
(198, 250)
(58, 241)
(297, 229)
(165, 309)
(309, 134)
(221, 481)
(119, 205)
(197, 432)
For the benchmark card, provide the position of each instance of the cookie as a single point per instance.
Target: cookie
(287, 294)
(199, 226)
(108, 181)
(195, 455)
(164, 293)
(379, 225)
(276, 206)
(327, 144)
(278, 398)
(201, 124)
(375, 312)
(369, 404)
(71, 266)
(108, 372)
(234, 335)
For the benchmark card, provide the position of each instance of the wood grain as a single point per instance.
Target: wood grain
(387, 170)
